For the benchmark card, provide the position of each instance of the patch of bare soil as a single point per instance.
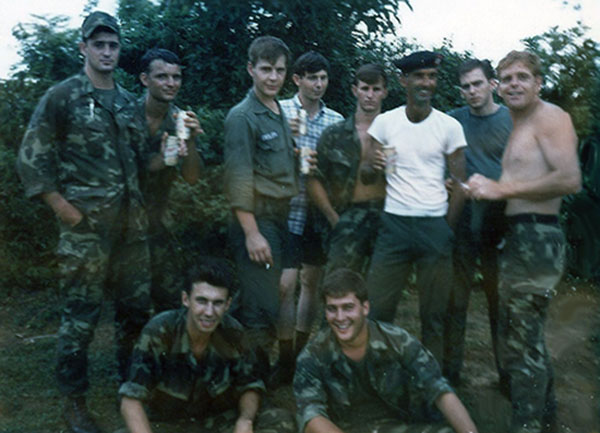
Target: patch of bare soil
(30, 403)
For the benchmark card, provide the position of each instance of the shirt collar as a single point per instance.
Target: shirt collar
(298, 104)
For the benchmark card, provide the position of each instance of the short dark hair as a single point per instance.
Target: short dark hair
(370, 73)
(471, 64)
(214, 271)
(342, 282)
(158, 54)
(529, 59)
(309, 63)
(267, 48)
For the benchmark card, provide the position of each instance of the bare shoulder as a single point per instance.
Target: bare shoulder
(550, 119)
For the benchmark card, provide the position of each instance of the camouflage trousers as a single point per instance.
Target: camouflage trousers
(395, 426)
(167, 270)
(531, 266)
(99, 258)
(352, 240)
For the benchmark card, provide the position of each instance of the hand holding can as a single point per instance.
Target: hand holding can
(390, 160)
(302, 118)
(183, 132)
(305, 153)
(171, 150)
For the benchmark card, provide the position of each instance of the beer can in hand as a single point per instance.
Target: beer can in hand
(302, 118)
(304, 155)
(171, 150)
(390, 160)
(183, 132)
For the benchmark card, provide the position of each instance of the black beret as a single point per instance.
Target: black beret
(418, 60)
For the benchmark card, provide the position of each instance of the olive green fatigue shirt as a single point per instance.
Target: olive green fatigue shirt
(86, 151)
(339, 151)
(402, 373)
(260, 162)
(163, 363)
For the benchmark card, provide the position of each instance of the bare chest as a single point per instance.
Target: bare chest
(523, 158)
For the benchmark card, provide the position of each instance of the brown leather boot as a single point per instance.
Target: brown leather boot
(77, 416)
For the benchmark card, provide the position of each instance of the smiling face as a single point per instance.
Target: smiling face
(369, 97)
(206, 306)
(518, 87)
(267, 77)
(477, 89)
(101, 52)
(163, 81)
(312, 85)
(420, 85)
(347, 317)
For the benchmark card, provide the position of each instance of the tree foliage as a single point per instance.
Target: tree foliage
(212, 40)
(571, 71)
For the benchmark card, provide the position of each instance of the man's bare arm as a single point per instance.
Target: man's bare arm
(257, 246)
(135, 416)
(63, 209)
(319, 196)
(558, 144)
(248, 408)
(456, 414)
(456, 167)
(320, 424)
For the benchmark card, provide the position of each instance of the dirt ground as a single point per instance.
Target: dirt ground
(30, 403)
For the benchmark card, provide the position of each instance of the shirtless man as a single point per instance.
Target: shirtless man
(539, 166)
(351, 207)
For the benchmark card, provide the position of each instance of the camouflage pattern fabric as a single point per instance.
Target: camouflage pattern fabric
(163, 361)
(166, 258)
(531, 265)
(404, 375)
(82, 143)
(352, 240)
(339, 151)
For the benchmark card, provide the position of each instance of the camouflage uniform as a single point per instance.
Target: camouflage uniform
(351, 241)
(81, 142)
(401, 382)
(165, 253)
(166, 375)
(531, 265)
(261, 176)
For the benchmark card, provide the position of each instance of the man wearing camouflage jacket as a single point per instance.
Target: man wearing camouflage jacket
(193, 363)
(352, 208)
(361, 375)
(78, 155)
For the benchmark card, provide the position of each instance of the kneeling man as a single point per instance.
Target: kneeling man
(190, 363)
(362, 375)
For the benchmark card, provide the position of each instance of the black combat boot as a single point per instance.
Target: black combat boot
(77, 416)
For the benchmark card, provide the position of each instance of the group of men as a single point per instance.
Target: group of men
(374, 205)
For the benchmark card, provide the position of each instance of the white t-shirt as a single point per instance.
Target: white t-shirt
(417, 186)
